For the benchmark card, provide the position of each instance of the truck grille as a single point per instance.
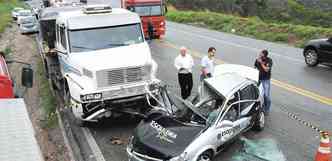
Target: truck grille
(107, 78)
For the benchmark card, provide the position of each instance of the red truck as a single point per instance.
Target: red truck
(149, 10)
(7, 87)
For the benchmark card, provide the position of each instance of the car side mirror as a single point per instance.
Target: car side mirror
(27, 77)
(225, 123)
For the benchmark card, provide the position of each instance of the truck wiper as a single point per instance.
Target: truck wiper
(82, 47)
(117, 44)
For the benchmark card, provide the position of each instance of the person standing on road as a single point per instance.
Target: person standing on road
(207, 64)
(184, 63)
(264, 64)
(150, 29)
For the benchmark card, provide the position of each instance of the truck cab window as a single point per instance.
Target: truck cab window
(149, 10)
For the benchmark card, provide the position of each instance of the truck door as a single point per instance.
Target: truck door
(62, 48)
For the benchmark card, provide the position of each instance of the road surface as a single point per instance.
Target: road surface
(296, 88)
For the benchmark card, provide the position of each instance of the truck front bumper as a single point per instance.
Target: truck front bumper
(115, 100)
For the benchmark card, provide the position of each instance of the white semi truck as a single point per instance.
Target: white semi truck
(98, 59)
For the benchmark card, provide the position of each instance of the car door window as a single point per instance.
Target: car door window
(247, 93)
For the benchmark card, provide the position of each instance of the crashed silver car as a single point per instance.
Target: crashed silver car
(229, 104)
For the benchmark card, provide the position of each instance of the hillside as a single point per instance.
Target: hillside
(300, 12)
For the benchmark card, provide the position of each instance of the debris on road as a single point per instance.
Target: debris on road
(259, 150)
(116, 141)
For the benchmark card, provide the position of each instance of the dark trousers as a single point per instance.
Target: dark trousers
(186, 84)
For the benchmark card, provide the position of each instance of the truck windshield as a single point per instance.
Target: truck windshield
(148, 10)
(84, 40)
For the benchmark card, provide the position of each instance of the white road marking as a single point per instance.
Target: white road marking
(238, 45)
(93, 145)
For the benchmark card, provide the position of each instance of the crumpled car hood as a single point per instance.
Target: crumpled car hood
(163, 137)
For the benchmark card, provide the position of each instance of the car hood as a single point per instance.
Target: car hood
(119, 57)
(163, 137)
(317, 40)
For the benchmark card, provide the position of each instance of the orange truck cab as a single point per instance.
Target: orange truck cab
(149, 10)
(6, 83)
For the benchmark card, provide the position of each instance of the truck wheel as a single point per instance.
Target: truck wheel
(311, 57)
(66, 95)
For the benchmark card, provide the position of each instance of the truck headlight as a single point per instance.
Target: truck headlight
(147, 71)
(87, 73)
(182, 157)
(91, 97)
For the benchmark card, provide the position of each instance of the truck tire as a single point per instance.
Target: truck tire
(66, 95)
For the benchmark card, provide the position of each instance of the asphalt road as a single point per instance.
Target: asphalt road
(293, 140)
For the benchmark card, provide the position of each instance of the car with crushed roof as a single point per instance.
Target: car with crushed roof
(198, 128)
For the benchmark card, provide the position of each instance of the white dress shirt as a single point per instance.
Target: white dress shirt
(184, 62)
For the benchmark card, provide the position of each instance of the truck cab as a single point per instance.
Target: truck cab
(150, 11)
(103, 61)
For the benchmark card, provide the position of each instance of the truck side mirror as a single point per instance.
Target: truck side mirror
(27, 77)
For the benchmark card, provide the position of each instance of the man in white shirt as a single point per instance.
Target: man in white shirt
(184, 63)
(207, 64)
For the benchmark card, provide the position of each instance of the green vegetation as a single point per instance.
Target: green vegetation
(7, 51)
(5, 12)
(252, 27)
(276, 11)
(296, 13)
(47, 100)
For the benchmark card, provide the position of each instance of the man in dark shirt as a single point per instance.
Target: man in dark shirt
(264, 64)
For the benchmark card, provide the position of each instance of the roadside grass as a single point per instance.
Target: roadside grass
(7, 51)
(47, 100)
(5, 12)
(296, 35)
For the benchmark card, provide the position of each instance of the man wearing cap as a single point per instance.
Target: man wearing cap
(207, 64)
(184, 63)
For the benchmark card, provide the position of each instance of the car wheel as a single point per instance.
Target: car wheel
(260, 121)
(206, 156)
(311, 57)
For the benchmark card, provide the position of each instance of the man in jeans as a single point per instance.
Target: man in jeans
(264, 64)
